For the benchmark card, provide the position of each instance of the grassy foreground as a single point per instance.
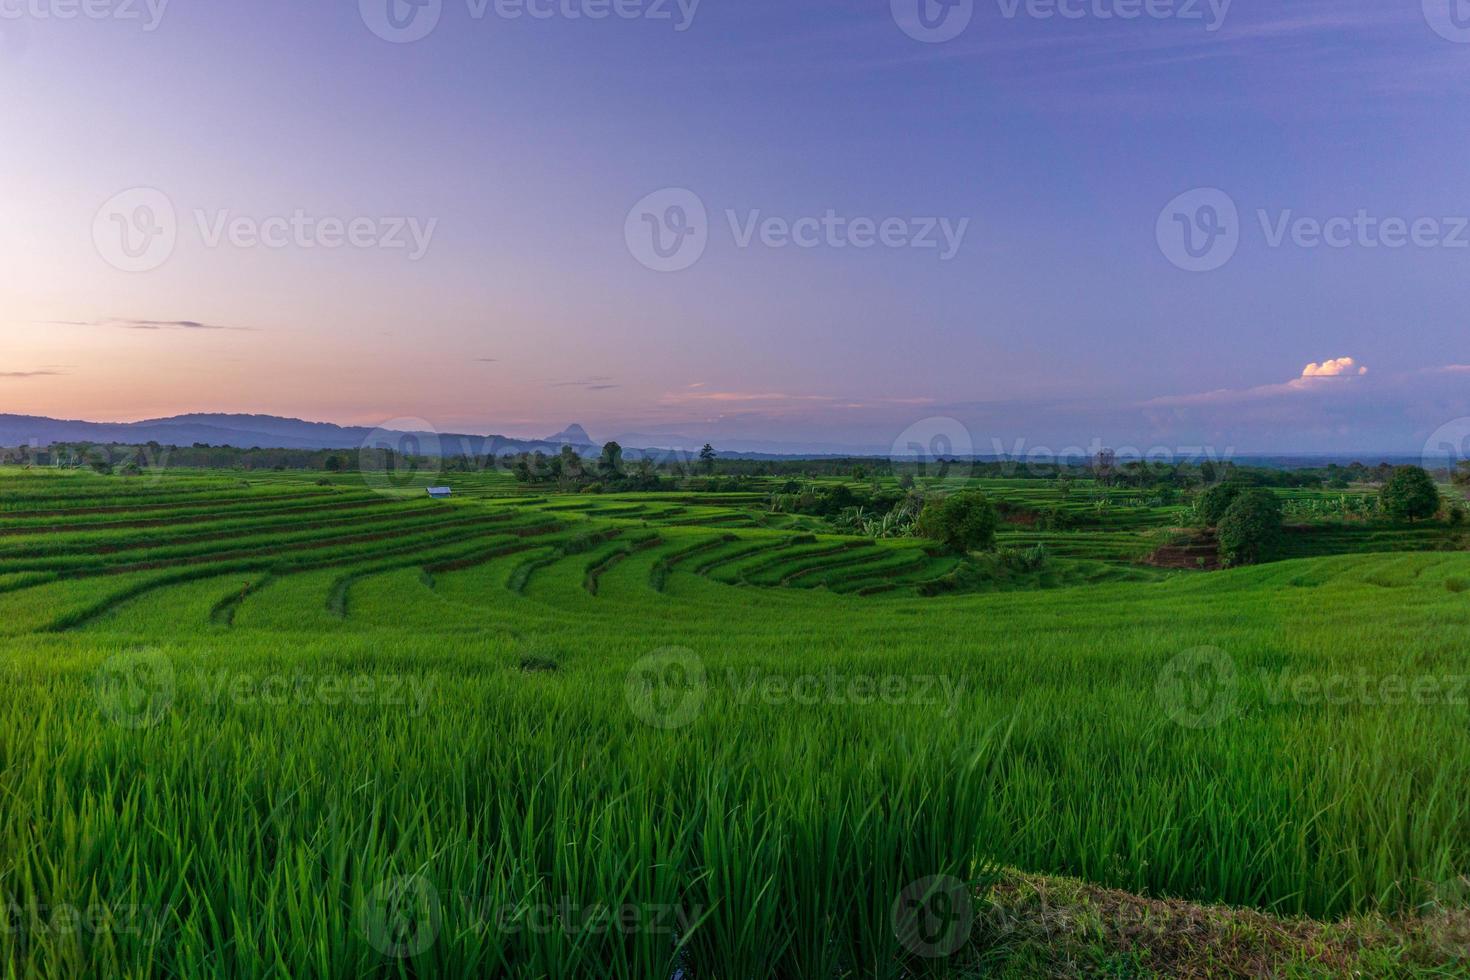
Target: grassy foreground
(280, 729)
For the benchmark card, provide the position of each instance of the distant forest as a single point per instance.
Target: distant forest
(610, 470)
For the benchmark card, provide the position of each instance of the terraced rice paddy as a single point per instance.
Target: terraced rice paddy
(264, 727)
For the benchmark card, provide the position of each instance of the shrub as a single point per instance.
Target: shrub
(1251, 528)
(1410, 494)
(1032, 559)
(960, 523)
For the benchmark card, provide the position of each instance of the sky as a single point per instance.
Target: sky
(1157, 223)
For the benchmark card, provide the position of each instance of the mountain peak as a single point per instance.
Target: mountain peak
(573, 435)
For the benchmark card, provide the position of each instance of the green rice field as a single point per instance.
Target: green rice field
(277, 725)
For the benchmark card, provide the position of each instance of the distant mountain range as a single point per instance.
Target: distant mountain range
(265, 432)
(275, 432)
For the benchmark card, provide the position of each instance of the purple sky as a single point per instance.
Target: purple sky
(278, 207)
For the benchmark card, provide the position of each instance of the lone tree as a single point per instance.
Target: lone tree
(960, 523)
(707, 458)
(1410, 494)
(1251, 528)
(611, 463)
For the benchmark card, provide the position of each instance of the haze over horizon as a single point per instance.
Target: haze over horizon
(976, 227)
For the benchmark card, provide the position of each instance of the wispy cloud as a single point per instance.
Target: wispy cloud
(694, 394)
(1345, 47)
(30, 374)
(135, 324)
(598, 383)
(740, 397)
(1329, 374)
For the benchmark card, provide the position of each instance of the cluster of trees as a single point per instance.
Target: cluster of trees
(611, 472)
(129, 459)
(831, 500)
(568, 471)
(1248, 519)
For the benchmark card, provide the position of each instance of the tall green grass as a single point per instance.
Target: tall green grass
(460, 748)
